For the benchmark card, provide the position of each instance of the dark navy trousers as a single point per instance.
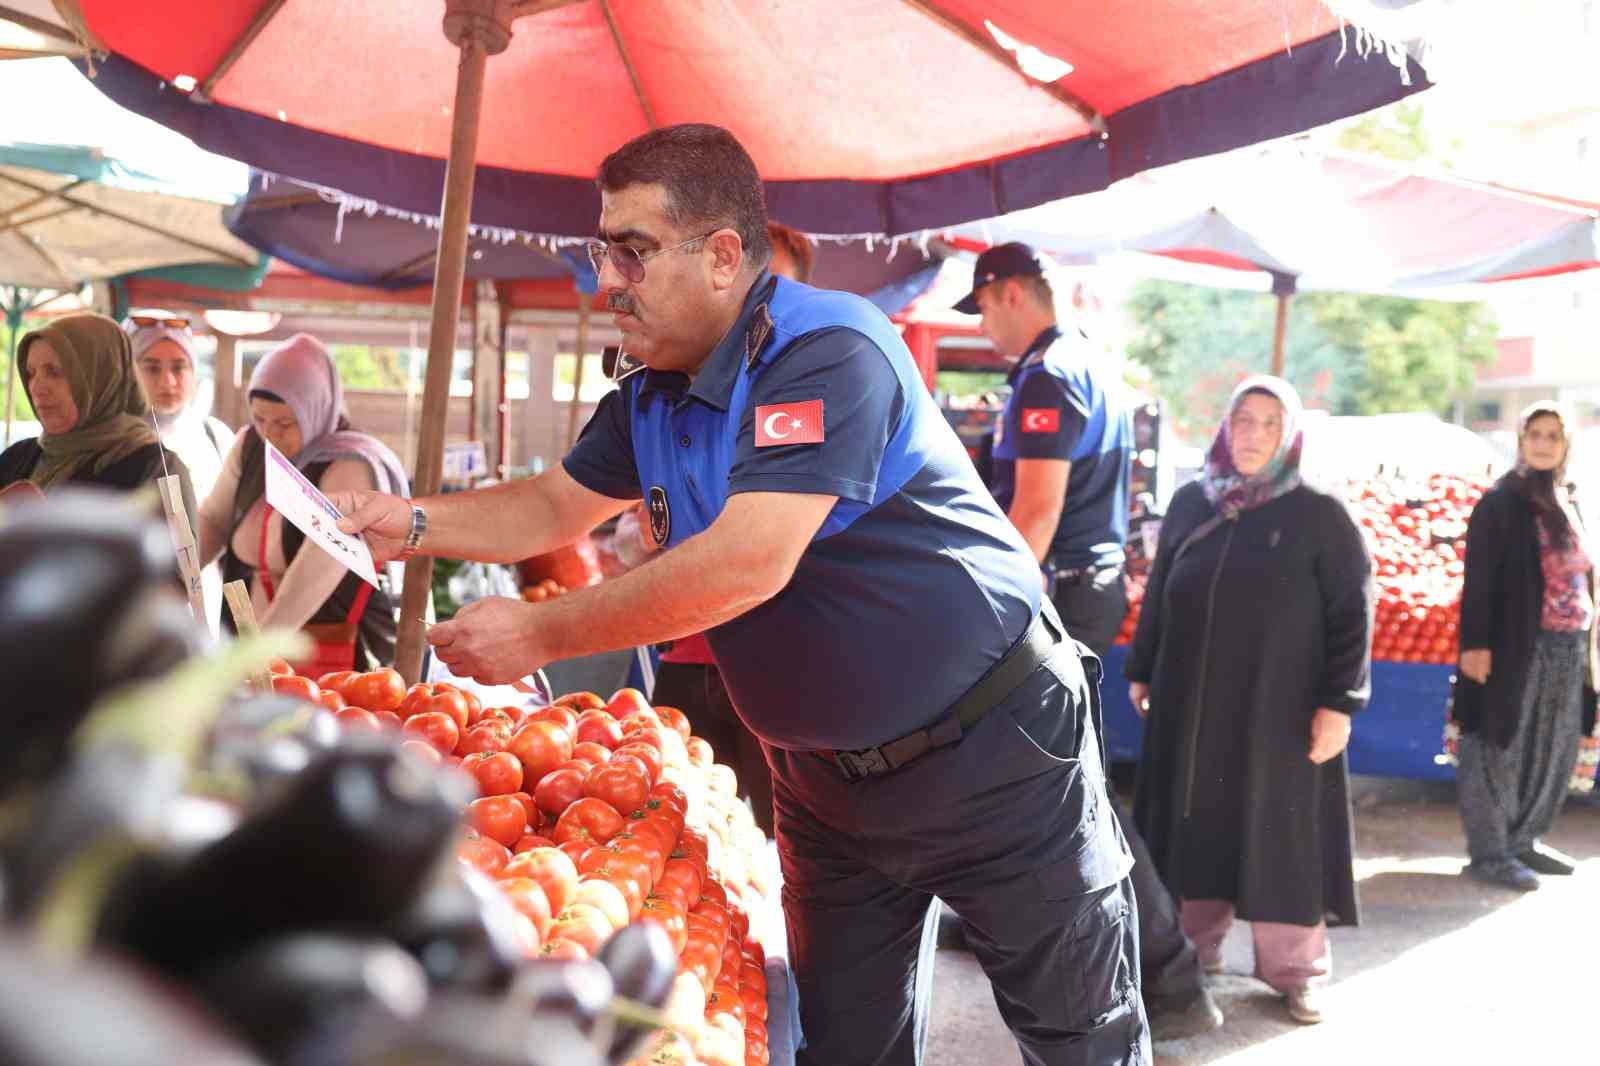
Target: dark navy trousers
(1013, 828)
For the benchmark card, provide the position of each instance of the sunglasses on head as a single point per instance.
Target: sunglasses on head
(626, 259)
(157, 322)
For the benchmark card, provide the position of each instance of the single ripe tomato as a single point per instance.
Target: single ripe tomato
(646, 754)
(295, 685)
(675, 720)
(584, 924)
(542, 746)
(626, 701)
(607, 898)
(623, 788)
(700, 753)
(500, 818)
(529, 841)
(553, 869)
(700, 957)
(556, 714)
(558, 790)
(564, 950)
(529, 898)
(336, 681)
(376, 690)
(331, 699)
(486, 856)
(591, 753)
(680, 882)
(598, 727)
(669, 916)
(639, 721)
(484, 737)
(589, 821)
(355, 718)
(497, 773)
(388, 720)
(671, 794)
(436, 728)
(581, 701)
(474, 705)
(754, 998)
(279, 667)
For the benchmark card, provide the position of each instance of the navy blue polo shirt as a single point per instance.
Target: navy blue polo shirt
(1060, 409)
(915, 585)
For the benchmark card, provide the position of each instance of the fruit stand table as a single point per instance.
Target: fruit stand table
(1399, 735)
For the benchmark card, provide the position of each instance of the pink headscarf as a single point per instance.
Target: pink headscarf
(302, 374)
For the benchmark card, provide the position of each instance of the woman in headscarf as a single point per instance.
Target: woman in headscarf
(297, 405)
(1524, 696)
(1252, 653)
(80, 378)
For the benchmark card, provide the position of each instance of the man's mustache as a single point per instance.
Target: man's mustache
(621, 302)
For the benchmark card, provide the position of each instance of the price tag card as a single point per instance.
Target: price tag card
(304, 506)
(465, 460)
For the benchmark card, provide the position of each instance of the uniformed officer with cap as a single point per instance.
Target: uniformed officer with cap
(1061, 460)
(878, 622)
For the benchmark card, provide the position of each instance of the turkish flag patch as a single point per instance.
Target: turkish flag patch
(789, 423)
(1041, 420)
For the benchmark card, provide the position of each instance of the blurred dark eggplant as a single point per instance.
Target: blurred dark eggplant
(315, 999)
(642, 966)
(100, 1011)
(349, 843)
(579, 989)
(105, 795)
(88, 601)
(475, 1030)
(463, 931)
(268, 739)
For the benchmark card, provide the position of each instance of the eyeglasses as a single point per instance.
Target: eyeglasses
(158, 322)
(627, 260)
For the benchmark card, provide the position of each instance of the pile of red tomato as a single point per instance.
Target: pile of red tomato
(1416, 532)
(593, 814)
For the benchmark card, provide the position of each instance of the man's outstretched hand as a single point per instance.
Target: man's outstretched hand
(383, 519)
(493, 640)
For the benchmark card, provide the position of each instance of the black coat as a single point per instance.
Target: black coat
(1502, 598)
(1244, 634)
(129, 472)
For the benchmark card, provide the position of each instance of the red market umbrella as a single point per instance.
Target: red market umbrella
(865, 116)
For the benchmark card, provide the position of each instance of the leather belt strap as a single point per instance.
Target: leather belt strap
(1024, 657)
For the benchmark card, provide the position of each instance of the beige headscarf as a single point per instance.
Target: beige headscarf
(113, 414)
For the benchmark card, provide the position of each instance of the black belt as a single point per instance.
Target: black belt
(1079, 575)
(1024, 657)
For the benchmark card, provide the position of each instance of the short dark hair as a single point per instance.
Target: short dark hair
(1035, 286)
(709, 178)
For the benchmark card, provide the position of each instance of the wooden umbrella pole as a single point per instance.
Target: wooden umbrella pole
(1280, 333)
(480, 28)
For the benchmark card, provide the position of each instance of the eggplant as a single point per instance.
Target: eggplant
(88, 601)
(101, 1011)
(110, 795)
(475, 1030)
(579, 989)
(349, 843)
(462, 929)
(268, 739)
(315, 999)
(642, 966)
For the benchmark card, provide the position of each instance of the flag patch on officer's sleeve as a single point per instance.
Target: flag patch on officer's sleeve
(789, 423)
(1041, 420)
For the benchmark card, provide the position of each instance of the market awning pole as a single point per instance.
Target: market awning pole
(1283, 286)
(480, 28)
(14, 309)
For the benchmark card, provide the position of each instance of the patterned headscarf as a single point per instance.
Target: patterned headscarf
(1231, 492)
(113, 415)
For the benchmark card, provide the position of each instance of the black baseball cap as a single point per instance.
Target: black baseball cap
(1013, 260)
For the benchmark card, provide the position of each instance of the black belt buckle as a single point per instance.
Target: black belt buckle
(856, 765)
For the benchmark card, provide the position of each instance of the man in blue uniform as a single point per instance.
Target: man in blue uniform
(877, 621)
(1062, 453)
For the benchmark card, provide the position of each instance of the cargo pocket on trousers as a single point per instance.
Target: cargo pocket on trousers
(1100, 958)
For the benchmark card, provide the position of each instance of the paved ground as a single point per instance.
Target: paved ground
(1442, 970)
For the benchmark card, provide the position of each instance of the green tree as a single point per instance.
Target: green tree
(1346, 353)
